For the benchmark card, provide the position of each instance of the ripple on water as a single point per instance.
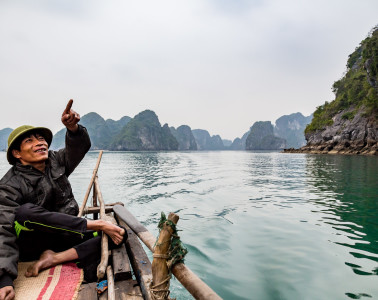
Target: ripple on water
(258, 225)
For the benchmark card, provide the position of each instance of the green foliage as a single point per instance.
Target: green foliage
(322, 118)
(370, 52)
(177, 250)
(357, 88)
(353, 58)
(144, 132)
(348, 115)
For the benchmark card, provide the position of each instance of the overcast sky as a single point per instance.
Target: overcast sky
(219, 65)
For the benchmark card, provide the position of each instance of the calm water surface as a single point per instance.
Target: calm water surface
(258, 225)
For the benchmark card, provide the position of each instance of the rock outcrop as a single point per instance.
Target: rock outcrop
(349, 124)
(261, 137)
(239, 143)
(291, 128)
(206, 142)
(184, 137)
(358, 135)
(144, 133)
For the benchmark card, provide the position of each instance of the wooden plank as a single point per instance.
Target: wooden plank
(87, 291)
(139, 261)
(187, 278)
(121, 264)
(125, 290)
(111, 287)
(96, 210)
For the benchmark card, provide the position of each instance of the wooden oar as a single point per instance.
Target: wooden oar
(188, 279)
(82, 207)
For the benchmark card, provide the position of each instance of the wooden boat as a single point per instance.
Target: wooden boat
(128, 268)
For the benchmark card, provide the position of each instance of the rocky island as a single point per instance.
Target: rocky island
(349, 124)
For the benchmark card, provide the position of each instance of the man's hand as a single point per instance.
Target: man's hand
(7, 293)
(70, 118)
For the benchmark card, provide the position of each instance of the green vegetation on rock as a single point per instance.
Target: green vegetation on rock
(358, 88)
(144, 132)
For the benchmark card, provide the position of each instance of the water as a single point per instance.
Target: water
(258, 225)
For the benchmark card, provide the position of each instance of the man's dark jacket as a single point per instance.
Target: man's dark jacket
(51, 190)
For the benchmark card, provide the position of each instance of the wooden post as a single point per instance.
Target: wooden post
(160, 272)
(109, 274)
(94, 202)
(188, 279)
(90, 185)
(101, 269)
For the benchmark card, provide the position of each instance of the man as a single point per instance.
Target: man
(37, 208)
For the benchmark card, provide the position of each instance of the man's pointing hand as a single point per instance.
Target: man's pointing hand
(70, 118)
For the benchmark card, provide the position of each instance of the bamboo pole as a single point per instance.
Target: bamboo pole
(111, 289)
(101, 269)
(94, 203)
(90, 185)
(188, 279)
(160, 272)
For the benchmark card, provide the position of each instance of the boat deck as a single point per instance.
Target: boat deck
(131, 270)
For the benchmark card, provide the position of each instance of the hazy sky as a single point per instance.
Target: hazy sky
(212, 64)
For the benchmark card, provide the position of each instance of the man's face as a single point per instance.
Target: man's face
(33, 150)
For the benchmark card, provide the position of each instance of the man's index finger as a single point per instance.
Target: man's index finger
(68, 107)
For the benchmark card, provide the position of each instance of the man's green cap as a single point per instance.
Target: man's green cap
(21, 131)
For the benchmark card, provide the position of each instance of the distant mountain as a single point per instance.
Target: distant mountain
(206, 142)
(144, 132)
(115, 127)
(58, 141)
(4, 134)
(99, 130)
(291, 128)
(239, 143)
(184, 137)
(227, 143)
(261, 137)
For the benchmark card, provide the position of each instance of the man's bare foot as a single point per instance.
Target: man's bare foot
(45, 261)
(115, 232)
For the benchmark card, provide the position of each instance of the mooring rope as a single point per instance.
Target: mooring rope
(164, 293)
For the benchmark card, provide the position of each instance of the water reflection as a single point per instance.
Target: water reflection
(352, 207)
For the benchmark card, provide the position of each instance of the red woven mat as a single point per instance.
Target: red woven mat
(61, 282)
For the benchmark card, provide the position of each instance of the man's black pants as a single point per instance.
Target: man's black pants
(39, 229)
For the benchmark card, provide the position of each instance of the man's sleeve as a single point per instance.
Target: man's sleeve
(8, 247)
(77, 145)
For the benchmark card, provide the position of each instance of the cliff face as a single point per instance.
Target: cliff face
(144, 132)
(206, 142)
(261, 137)
(349, 124)
(291, 128)
(357, 135)
(239, 143)
(184, 137)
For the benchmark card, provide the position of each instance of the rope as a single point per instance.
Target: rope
(164, 293)
(165, 256)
